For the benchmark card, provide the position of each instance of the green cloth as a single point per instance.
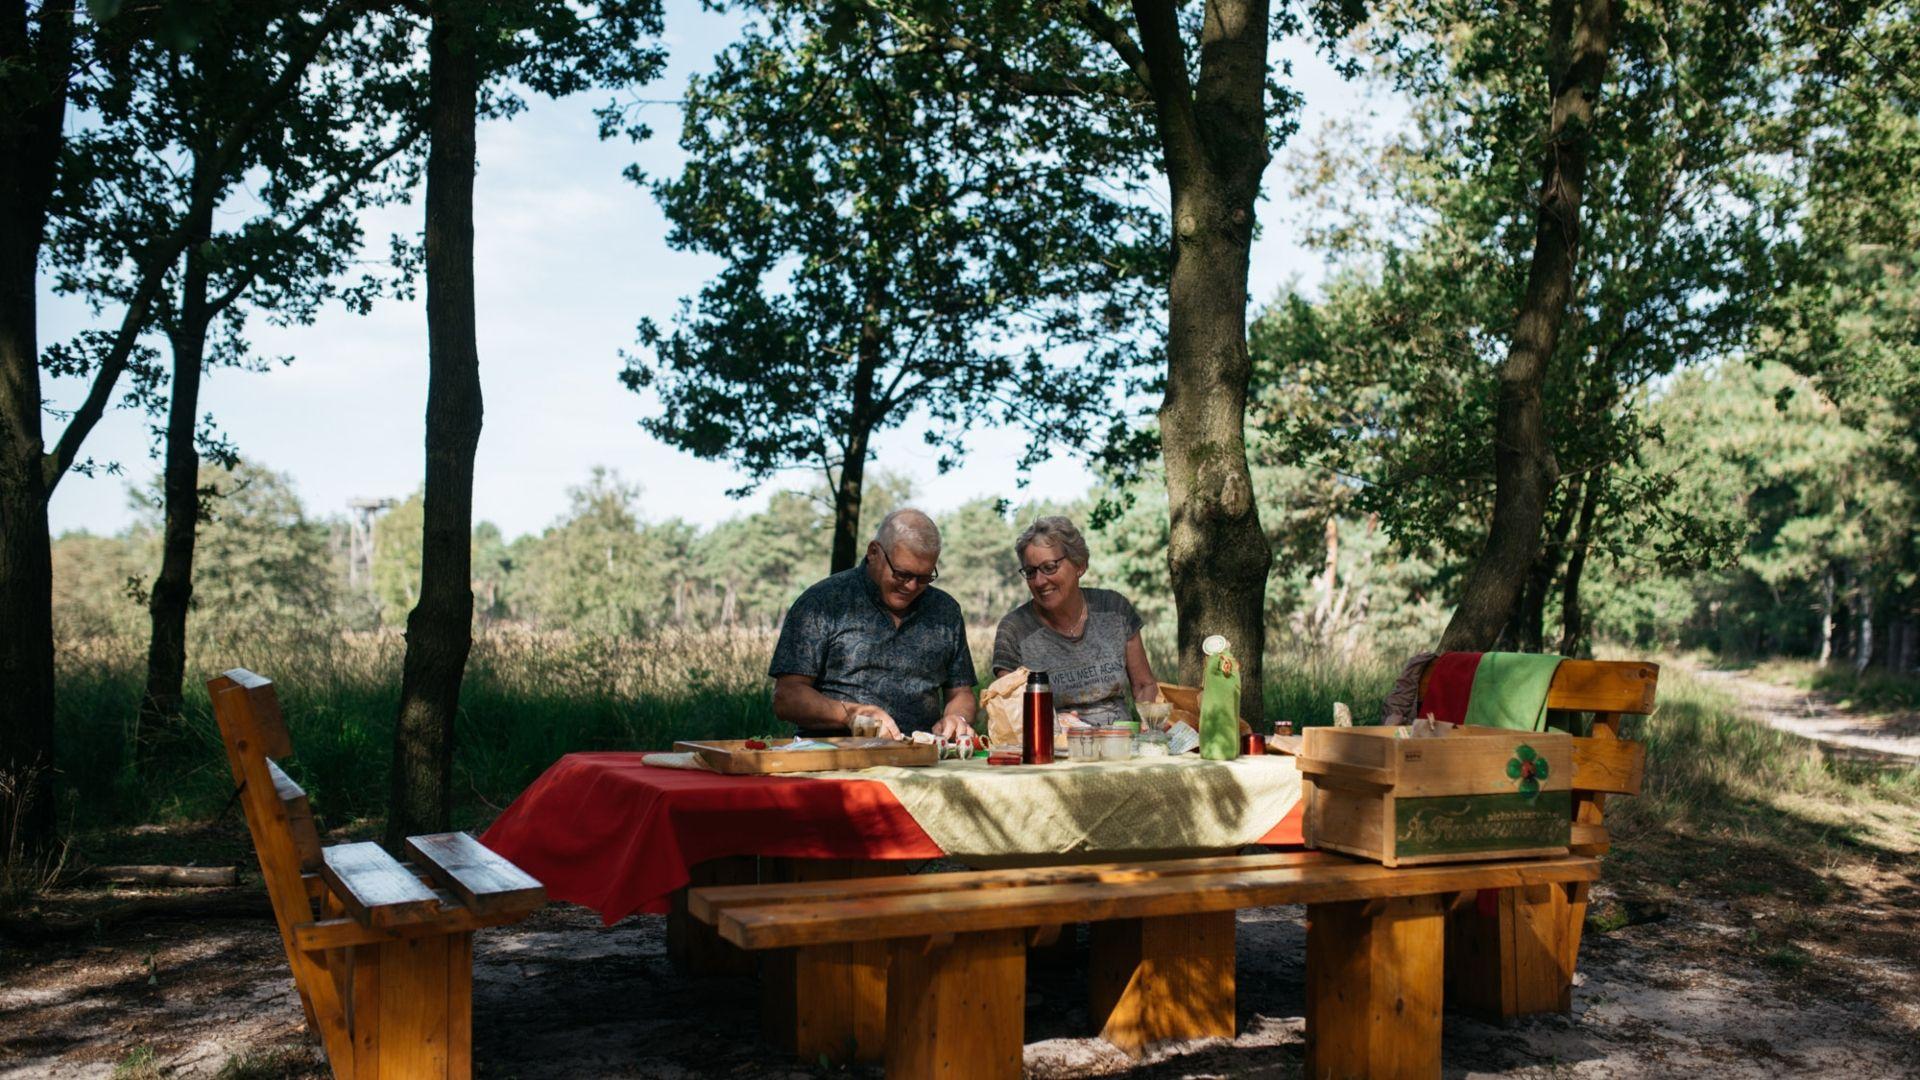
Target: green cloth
(1510, 690)
(1120, 809)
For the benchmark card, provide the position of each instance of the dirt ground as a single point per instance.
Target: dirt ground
(1879, 736)
(1722, 953)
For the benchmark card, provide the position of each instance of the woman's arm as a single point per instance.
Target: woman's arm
(1140, 671)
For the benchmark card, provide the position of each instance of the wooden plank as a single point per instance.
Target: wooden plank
(694, 947)
(345, 931)
(1590, 839)
(266, 728)
(1612, 765)
(1151, 980)
(957, 1013)
(373, 885)
(415, 1026)
(1621, 686)
(827, 922)
(363, 999)
(1374, 988)
(300, 822)
(706, 903)
(483, 881)
(238, 698)
(831, 999)
(731, 756)
(460, 1007)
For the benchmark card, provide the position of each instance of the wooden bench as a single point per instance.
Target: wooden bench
(1163, 962)
(381, 950)
(1519, 958)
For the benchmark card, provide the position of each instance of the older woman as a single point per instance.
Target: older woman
(1086, 640)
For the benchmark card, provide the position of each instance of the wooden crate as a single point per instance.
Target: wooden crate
(1373, 793)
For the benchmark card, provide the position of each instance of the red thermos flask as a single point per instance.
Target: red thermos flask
(1036, 720)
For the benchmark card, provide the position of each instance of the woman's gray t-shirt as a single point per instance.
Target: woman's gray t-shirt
(1088, 673)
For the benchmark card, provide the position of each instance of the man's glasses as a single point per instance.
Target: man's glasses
(1045, 569)
(904, 578)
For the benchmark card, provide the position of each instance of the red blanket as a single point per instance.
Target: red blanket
(1449, 687)
(607, 832)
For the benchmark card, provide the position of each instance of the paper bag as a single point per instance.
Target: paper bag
(1000, 701)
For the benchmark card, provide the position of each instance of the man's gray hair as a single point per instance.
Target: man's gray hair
(911, 529)
(1054, 531)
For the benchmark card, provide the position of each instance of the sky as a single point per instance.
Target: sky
(569, 256)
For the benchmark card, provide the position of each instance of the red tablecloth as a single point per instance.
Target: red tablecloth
(607, 832)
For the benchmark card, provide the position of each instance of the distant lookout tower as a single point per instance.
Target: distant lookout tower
(361, 513)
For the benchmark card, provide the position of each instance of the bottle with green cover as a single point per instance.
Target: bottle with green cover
(1219, 702)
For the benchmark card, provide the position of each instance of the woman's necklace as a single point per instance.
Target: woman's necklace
(1075, 628)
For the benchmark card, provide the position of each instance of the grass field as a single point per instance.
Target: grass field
(527, 699)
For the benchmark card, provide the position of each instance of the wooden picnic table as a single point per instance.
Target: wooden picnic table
(608, 832)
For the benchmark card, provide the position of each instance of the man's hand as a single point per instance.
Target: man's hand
(951, 725)
(874, 713)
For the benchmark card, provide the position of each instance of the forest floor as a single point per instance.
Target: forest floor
(1774, 937)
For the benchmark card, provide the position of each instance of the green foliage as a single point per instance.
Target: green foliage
(893, 249)
(1389, 379)
(599, 571)
(1758, 450)
(396, 559)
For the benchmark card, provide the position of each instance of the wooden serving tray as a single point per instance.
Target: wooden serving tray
(731, 756)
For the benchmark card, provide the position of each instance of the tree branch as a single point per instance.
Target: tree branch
(346, 185)
(1109, 29)
(205, 194)
(1165, 55)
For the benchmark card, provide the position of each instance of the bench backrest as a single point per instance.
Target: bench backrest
(1603, 763)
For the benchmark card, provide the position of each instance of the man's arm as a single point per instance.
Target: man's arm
(957, 715)
(796, 702)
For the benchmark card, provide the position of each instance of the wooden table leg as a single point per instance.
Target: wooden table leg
(957, 1009)
(1164, 978)
(1519, 959)
(695, 948)
(1374, 975)
(827, 1000)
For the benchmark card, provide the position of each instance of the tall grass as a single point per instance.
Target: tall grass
(1710, 763)
(530, 698)
(527, 699)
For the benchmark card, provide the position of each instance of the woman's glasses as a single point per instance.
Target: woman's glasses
(1045, 569)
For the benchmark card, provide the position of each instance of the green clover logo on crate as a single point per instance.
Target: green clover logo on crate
(1529, 768)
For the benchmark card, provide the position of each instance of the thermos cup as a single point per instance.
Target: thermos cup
(1036, 720)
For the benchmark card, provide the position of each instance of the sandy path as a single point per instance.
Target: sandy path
(1818, 716)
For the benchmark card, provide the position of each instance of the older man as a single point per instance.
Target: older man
(878, 641)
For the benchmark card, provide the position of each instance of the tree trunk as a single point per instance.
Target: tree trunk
(1527, 630)
(1572, 619)
(36, 61)
(1863, 643)
(853, 465)
(1214, 146)
(1826, 617)
(440, 626)
(1580, 32)
(162, 702)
